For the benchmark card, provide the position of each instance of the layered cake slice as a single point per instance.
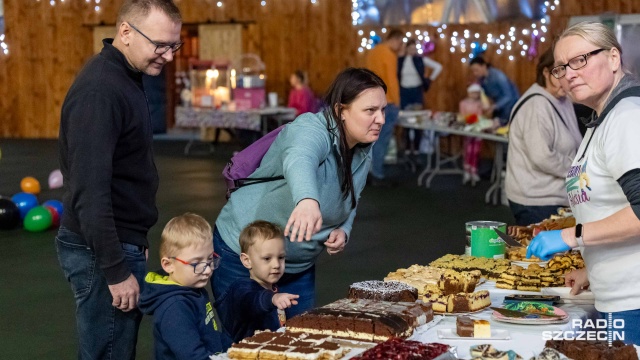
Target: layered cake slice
(436, 298)
(383, 290)
(284, 346)
(330, 351)
(261, 337)
(302, 353)
(530, 280)
(274, 352)
(466, 327)
(510, 278)
(244, 351)
(463, 302)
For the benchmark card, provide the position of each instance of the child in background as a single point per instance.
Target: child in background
(471, 109)
(184, 325)
(301, 96)
(254, 303)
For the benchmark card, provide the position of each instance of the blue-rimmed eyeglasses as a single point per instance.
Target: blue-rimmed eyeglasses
(161, 49)
(201, 267)
(576, 63)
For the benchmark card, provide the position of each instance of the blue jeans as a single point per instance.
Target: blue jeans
(104, 332)
(526, 215)
(231, 268)
(631, 322)
(380, 147)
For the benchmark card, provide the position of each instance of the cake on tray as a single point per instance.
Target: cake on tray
(383, 290)
(362, 319)
(594, 350)
(269, 345)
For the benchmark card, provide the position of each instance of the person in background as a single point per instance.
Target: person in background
(413, 84)
(110, 178)
(383, 60)
(471, 108)
(543, 139)
(301, 97)
(603, 182)
(325, 158)
(184, 326)
(497, 86)
(253, 303)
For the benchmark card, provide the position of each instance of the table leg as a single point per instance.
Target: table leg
(496, 187)
(428, 168)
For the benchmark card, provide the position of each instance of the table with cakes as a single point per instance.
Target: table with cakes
(498, 306)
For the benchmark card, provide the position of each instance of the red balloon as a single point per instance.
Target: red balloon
(54, 216)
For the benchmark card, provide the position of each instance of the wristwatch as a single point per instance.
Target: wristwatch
(579, 235)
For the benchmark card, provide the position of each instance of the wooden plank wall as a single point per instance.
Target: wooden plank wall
(48, 46)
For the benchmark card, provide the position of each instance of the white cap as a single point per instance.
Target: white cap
(474, 88)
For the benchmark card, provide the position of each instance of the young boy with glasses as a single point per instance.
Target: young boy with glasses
(184, 324)
(254, 303)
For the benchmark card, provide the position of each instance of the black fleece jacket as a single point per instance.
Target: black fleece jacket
(106, 159)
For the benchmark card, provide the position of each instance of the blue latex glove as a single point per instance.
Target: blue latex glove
(546, 244)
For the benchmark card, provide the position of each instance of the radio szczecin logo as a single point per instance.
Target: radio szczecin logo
(600, 329)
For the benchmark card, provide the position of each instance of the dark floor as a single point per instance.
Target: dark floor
(394, 228)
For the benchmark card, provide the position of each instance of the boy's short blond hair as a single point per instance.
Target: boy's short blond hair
(183, 231)
(258, 230)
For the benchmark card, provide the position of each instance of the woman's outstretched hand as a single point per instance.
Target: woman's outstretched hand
(305, 220)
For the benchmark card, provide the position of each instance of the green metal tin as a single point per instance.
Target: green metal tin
(484, 241)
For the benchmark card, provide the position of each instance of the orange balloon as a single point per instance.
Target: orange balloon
(30, 185)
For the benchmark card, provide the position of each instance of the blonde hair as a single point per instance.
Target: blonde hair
(258, 230)
(184, 231)
(595, 33)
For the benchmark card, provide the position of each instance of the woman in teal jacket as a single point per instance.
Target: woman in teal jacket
(325, 159)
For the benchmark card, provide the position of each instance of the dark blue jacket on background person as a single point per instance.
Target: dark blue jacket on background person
(245, 308)
(502, 91)
(183, 319)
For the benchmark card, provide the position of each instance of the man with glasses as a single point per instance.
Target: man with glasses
(111, 179)
(184, 326)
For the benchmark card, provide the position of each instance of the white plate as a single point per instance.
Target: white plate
(523, 321)
(496, 334)
(525, 264)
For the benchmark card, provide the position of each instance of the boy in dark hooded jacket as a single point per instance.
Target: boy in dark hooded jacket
(184, 324)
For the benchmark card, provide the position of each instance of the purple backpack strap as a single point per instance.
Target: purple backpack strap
(236, 173)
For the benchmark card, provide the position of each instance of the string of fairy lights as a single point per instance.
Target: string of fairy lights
(519, 41)
(96, 4)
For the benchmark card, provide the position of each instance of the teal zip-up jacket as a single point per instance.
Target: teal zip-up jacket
(307, 154)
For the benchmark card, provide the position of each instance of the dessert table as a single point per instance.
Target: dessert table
(421, 120)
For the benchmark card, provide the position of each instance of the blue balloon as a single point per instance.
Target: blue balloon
(24, 202)
(376, 39)
(54, 204)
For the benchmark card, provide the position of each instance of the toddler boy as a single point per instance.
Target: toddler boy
(252, 303)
